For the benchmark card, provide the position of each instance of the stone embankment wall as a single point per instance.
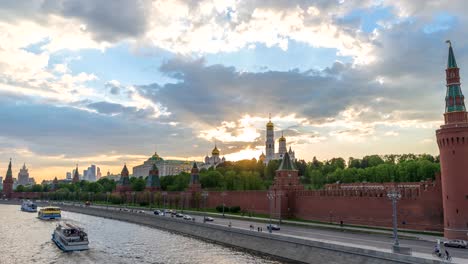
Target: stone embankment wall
(288, 248)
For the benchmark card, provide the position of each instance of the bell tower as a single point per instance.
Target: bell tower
(452, 139)
(270, 141)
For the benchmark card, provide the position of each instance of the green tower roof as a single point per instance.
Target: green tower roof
(9, 174)
(451, 62)
(286, 163)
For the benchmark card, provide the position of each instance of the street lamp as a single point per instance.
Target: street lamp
(204, 195)
(280, 193)
(164, 200)
(107, 199)
(182, 200)
(270, 196)
(394, 195)
(223, 194)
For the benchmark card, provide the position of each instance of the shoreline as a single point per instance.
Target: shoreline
(283, 248)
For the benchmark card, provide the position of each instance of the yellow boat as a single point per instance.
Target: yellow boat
(49, 213)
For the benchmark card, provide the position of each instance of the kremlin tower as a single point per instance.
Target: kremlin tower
(8, 182)
(452, 139)
(76, 175)
(153, 183)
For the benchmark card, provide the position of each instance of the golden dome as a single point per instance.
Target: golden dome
(270, 124)
(215, 151)
(281, 139)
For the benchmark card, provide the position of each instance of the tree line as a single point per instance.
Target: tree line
(255, 175)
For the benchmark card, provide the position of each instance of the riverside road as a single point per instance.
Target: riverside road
(357, 239)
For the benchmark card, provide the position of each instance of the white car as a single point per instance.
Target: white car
(209, 219)
(187, 217)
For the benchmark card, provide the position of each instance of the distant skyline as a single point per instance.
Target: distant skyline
(80, 84)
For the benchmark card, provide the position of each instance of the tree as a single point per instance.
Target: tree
(36, 188)
(138, 184)
(20, 188)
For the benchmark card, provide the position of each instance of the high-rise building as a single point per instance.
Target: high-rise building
(90, 174)
(23, 176)
(452, 139)
(69, 176)
(98, 173)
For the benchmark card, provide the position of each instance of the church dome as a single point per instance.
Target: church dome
(215, 151)
(270, 124)
(282, 139)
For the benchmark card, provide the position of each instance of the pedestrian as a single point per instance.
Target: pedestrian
(229, 223)
(258, 229)
(447, 255)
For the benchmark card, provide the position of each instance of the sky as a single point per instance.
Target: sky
(110, 82)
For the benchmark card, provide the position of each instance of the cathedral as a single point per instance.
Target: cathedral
(214, 160)
(270, 146)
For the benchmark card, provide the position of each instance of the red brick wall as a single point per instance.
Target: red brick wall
(419, 208)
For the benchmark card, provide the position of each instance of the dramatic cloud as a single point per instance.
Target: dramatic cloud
(66, 95)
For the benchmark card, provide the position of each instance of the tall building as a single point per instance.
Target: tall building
(270, 146)
(90, 174)
(270, 141)
(69, 176)
(98, 173)
(1, 183)
(166, 167)
(452, 139)
(23, 176)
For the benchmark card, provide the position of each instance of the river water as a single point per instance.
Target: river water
(26, 239)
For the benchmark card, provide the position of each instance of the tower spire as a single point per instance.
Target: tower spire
(451, 62)
(455, 111)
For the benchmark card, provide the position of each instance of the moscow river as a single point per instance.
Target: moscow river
(26, 239)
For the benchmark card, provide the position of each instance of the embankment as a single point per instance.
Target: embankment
(290, 248)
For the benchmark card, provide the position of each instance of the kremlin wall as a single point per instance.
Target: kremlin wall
(439, 205)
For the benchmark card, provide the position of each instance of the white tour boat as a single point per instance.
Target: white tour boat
(69, 237)
(28, 206)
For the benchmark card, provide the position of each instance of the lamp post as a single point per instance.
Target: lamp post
(270, 196)
(107, 199)
(204, 195)
(223, 194)
(280, 193)
(394, 195)
(164, 201)
(182, 200)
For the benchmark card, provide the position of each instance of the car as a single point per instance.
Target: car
(140, 211)
(187, 217)
(273, 227)
(179, 215)
(157, 212)
(208, 219)
(456, 243)
(88, 203)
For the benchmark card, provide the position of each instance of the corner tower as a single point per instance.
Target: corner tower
(452, 139)
(270, 141)
(8, 182)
